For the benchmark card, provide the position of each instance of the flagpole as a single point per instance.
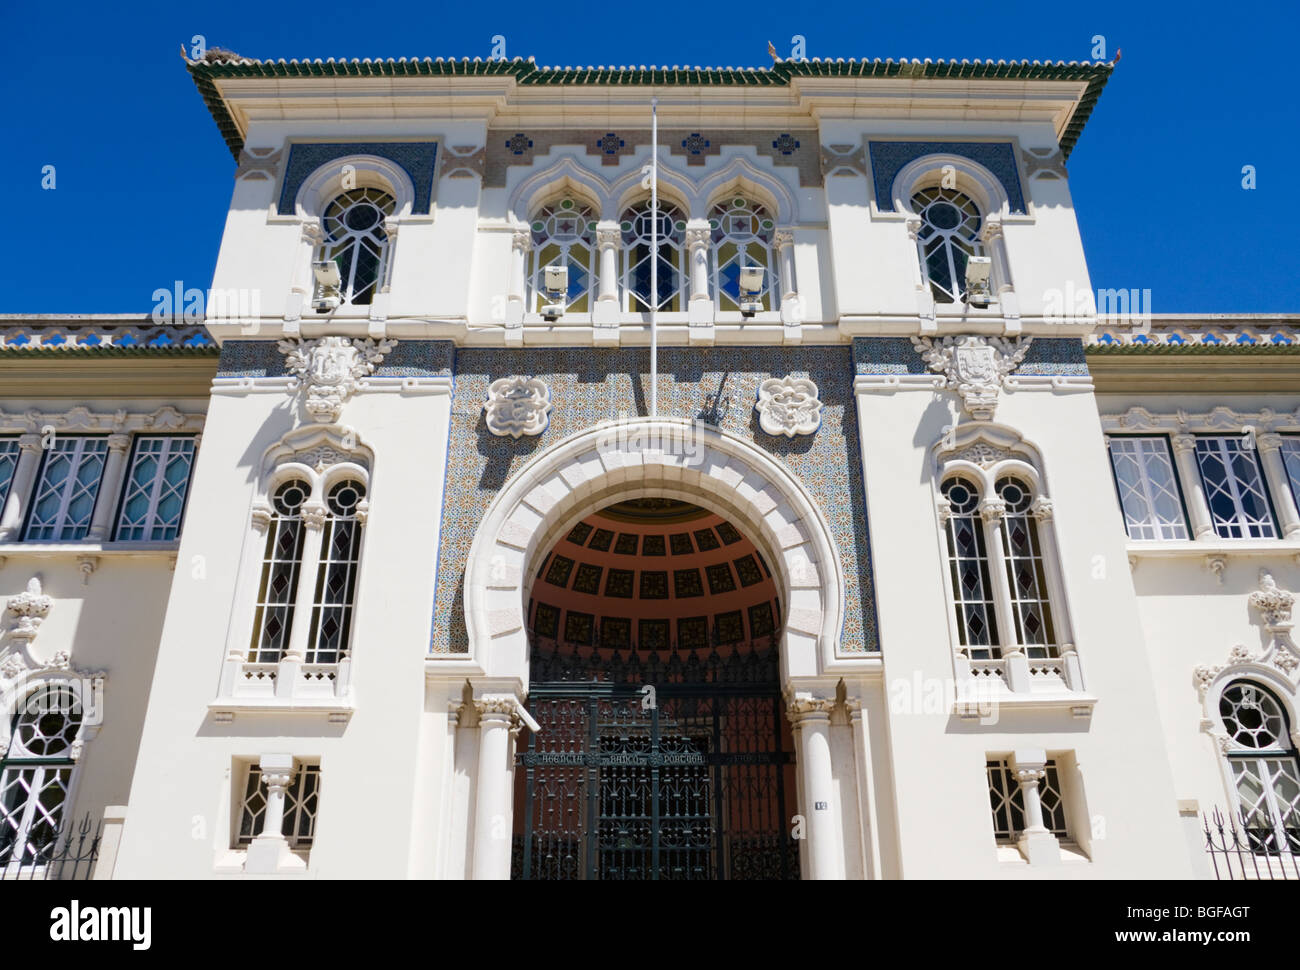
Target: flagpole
(654, 257)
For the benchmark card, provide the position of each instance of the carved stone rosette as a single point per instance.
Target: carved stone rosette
(329, 369)
(788, 406)
(975, 367)
(518, 406)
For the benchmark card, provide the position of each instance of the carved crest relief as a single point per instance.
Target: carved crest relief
(330, 369)
(517, 406)
(973, 366)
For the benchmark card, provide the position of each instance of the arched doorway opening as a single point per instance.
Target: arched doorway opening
(654, 631)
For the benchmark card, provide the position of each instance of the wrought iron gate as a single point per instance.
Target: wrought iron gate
(655, 769)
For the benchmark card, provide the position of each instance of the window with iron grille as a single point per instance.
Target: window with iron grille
(36, 776)
(356, 240)
(336, 577)
(743, 234)
(1148, 488)
(301, 799)
(1234, 487)
(1008, 801)
(281, 563)
(1263, 767)
(637, 225)
(564, 233)
(153, 496)
(968, 568)
(1026, 573)
(8, 464)
(66, 488)
(947, 239)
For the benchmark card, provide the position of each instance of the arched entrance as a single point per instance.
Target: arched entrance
(663, 751)
(670, 458)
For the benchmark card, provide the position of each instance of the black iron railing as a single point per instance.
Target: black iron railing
(1239, 849)
(66, 853)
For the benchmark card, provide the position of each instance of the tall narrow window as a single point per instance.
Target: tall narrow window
(1026, 575)
(154, 498)
(356, 240)
(743, 233)
(67, 488)
(948, 237)
(968, 567)
(37, 775)
(281, 562)
(1264, 768)
(300, 804)
(8, 464)
(1148, 488)
(636, 225)
(564, 233)
(1234, 487)
(336, 580)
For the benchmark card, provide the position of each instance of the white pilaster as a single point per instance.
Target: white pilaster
(110, 487)
(1279, 482)
(791, 307)
(20, 488)
(1198, 509)
(269, 850)
(1036, 843)
(605, 313)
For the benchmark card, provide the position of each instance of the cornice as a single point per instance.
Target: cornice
(92, 374)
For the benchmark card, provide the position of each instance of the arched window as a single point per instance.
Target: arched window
(636, 225)
(947, 238)
(281, 562)
(354, 237)
(743, 234)
(968, 568)
(336, 579)
(564, 233)
(1263, 766)
(37, 775)
(1026, 578)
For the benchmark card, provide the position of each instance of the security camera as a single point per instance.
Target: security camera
(978, 271)
(751, 289)
(327, 295)
(555, 283)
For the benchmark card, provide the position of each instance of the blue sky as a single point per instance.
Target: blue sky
(143, 178)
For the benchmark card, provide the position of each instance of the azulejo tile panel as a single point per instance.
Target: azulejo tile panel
(589, 386)
(1055, 356)
(1047, 356)
(999, 157)
(250, 358)
(416, 158)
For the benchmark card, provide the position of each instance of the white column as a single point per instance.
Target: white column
(313, 520)
(811, 719)
(995, 247)
(520, 242)
(493, 828)
(1269, 446)
(21, 488)
(605, 313)
(924, 297)
(304, 281)
(383, 287)
(269, 850)
(866, 789)
(1036, 842)
(1198, 509)
(701, 309)
(110, 487)
(791, 306)
(1015, 662)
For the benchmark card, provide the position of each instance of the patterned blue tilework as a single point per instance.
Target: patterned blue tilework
(1055, 356)
(889, 157)
(416, 158)
(886, 355)
(418, 358)
(718, 385)
(250, 358)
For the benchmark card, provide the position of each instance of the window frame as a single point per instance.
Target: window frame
(59, 524)
(10, 450)
(1238, 521)
(295, 806)
(152, 513)
(1181, 494)
(1286, 841)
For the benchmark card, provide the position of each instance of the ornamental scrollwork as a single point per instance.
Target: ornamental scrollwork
(975, 367)
(331, 368)
(517, 406)
(788, 406)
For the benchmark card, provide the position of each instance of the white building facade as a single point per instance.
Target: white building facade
(893, 558)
